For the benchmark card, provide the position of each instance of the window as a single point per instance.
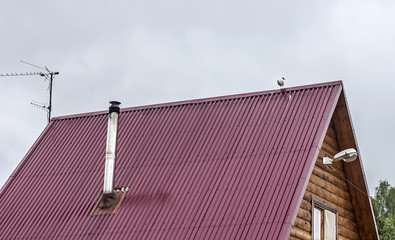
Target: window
(324, 221)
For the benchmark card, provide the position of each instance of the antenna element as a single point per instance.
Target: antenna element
(49, 75)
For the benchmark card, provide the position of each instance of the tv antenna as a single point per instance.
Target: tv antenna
(48, 75)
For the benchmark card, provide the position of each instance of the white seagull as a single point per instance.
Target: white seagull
(281, 82)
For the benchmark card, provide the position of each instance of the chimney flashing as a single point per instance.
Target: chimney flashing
(109, 203)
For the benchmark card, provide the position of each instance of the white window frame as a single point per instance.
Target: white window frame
(323, 208)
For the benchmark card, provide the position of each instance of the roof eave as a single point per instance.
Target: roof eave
(354, 171)
(339, 112)
(308, 169)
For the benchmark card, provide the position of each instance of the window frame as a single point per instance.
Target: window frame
(322, 206)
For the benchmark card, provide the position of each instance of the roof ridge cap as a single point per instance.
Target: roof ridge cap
(202, 100)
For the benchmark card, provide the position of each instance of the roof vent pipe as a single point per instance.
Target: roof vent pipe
(112, 132)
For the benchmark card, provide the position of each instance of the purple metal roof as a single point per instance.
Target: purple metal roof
(232, 167)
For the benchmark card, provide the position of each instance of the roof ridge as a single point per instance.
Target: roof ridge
(202, 100)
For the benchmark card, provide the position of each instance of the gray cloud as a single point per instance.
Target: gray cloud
(143, 52)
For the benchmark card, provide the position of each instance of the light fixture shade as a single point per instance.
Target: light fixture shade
(347, 155)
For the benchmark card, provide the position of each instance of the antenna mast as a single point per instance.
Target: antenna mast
(49, 75)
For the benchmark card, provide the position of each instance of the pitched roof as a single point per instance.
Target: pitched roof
(225, 167)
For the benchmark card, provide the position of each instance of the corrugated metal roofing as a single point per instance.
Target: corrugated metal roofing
(232, 167)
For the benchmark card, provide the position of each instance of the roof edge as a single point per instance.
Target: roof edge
(311, 159)
(203, 100)
(355, 173)
(24, 160)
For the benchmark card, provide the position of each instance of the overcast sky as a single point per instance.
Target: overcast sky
(144, 52)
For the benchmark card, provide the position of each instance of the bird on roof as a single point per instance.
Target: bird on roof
(281, 82)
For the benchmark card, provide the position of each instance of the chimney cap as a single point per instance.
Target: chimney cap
(115, 103)
(114, 107)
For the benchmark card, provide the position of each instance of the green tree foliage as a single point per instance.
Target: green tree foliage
(384, 210)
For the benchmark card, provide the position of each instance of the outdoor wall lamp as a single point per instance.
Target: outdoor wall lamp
(347, 155)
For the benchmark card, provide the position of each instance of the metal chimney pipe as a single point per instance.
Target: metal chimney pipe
(112, 132)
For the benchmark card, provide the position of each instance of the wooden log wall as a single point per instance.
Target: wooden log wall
(327, 185)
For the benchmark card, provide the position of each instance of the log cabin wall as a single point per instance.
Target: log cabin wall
(327, 185)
